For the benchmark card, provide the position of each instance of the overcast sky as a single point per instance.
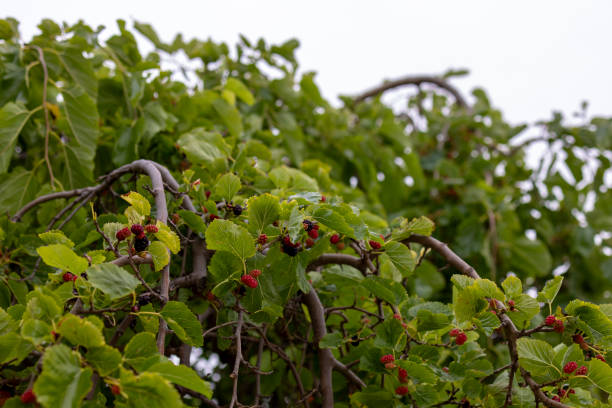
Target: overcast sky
(532, 57)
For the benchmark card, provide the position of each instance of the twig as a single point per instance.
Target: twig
(236, 370)
(412, 80)
(43, 64)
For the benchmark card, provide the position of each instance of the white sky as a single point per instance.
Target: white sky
(532, 56)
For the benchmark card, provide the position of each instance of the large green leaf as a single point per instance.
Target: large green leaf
(537, 357)
(104, 359)
(148, 390)
(184, 323)
(600, 374)
(62, 382)
(227, 186)
(183, 376)
(223, 235)
(229, 115)
(80, 70)
(112, 280)
(597, 321)
(263, 210)
(531, 257)
(160, 255)
(201, 146)
(80, 332)
(401, 256)
(12, 119)
(82, 116)
(17, 189)
(61, 257)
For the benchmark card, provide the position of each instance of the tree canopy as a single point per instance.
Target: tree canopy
(222, 213)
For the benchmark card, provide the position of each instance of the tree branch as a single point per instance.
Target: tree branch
(412, 80)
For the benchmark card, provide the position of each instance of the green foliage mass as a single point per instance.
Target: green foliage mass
(224, 159)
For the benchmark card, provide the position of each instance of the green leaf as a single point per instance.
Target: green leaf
(490, 289)
(112, 280)
(512, 286)
(160, 255)
(61, 257)
(194, 221)
(537, 357)
(141, 351)
(326, 215)
(62, 383)
(80, 332)
(183, 376)
(139, 202)
(526, 308)
(229, 115)
(600, 374)
(227, 186)
(168, 237)
(420, 226)
(17, 189)
(421, 373)
(82, 116)
(184, 323)
(36, 331)
(240, 90)
(531, 257)
(12, 119)
(390, 335)
(14, 348)
(597, 321)
(56, 237)
(550, 290)
(42, 307)
(331, 340)
(223, 235)
(201, 146)
(389, 291)
(148, 390)
(263, 210)
(402, 257)
(80, 70)
(104, 359)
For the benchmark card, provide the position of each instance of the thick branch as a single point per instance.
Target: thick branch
(412, 80)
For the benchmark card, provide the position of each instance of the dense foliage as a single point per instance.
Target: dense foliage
(225, 212)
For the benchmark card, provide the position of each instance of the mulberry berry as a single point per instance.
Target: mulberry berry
(263, 238)
(582, 371)
(375, 244)
(309, 243)
(454, 332)
(151, 229)
(237, 210)
(123, 234)
(28, 396)
(255, 273)
(387, 358)
(570, 367)
(401, 390)
(550, 320)
(137, 229)
(461, 338)
(141, 244)
(314, 234)
(248, 280)
(67, 277)
(558, 326)
(402, 374)
(334, 239)
(308, 225)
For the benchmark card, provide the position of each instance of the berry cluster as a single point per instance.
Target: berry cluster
(557, 324)
(289, 247)
(459, 335)
(263, 238)
(388, 361)
(141, 242)
(251, 278)
(335, 240)
(573, 366)
(69, 277)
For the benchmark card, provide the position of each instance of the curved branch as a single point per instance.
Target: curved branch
(412, 80)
